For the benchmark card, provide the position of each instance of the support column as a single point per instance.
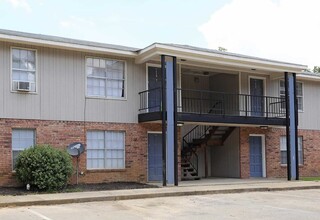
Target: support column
(175, 108)
(291, 126)
(164, 122)
(296, 123)
(169, 121)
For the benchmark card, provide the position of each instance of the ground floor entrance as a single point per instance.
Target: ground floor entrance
(154, 157)
(256, 156)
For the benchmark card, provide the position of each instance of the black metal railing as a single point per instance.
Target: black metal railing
(216, 103)
(219, 103)
(190, 156)
(197, 132)
(150, 100)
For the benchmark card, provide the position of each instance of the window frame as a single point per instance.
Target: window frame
(302, 89)
(124, 98)
(302, 151)
(105, 149)
(36, 70)
(34, 142)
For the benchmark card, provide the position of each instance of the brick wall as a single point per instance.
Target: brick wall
(311, 152)
(61, 133)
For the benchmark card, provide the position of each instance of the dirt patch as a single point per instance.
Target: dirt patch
(15, 191)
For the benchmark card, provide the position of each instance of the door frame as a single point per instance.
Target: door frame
(150, 132)
(264, 90)
(147, 81)
(263, 150)
(147, 72)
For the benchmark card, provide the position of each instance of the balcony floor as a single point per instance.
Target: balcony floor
(216, 119)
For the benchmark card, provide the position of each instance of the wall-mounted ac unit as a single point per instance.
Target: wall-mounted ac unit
(23, 86)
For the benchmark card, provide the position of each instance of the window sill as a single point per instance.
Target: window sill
(25, 93)
(285, 165)
(106, 98)
(105, 170)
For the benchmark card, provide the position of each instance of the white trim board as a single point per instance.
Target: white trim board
(263, 150)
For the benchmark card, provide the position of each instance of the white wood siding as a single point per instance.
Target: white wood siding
(61, 89)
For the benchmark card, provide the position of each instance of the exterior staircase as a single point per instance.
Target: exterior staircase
(199, 136)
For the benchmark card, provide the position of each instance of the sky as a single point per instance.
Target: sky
(285, 30)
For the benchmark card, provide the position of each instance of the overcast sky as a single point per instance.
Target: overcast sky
(286, 30)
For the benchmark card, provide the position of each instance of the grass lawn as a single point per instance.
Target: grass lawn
(310, 178)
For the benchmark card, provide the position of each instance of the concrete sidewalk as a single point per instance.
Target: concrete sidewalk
(186, 188)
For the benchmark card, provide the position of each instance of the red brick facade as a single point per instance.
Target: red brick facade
(311, 152)
(62, 133)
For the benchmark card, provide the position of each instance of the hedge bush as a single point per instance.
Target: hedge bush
(44, 167)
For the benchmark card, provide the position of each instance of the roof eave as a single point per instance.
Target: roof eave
(220, 59)
(64, 45)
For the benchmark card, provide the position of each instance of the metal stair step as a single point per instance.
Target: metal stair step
(190, 178)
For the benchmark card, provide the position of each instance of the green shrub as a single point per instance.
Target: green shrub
(44, 167)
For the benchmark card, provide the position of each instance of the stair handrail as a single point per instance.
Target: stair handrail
(206, 127)
(195, 167)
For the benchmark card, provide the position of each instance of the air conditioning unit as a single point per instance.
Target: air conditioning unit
(23, 86)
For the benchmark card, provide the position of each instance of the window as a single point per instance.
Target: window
(23, 70)
(283, 148)
(105, 150)
(105, 78)
(21, 140)
(299, 94)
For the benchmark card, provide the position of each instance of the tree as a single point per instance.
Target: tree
(316, 69)
(222, 49)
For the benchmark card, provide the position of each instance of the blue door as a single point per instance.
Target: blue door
(257, 100)
(255, 143)
(154, 85)
(154, 157)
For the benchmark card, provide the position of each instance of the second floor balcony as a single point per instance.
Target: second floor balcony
(215, 107)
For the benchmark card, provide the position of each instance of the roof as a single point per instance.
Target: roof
(210, 55)
(224, 53)
(311, 74)
(67, 40)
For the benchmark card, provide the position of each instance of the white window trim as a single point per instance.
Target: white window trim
(36, 71)
(125, 98)
(105, 140)
(302, 84)
(34, 142)
(263, 140)
(302, 151)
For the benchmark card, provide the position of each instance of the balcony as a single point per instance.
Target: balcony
(215, 107)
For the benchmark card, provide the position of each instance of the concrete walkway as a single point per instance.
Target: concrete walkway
(209, 186)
